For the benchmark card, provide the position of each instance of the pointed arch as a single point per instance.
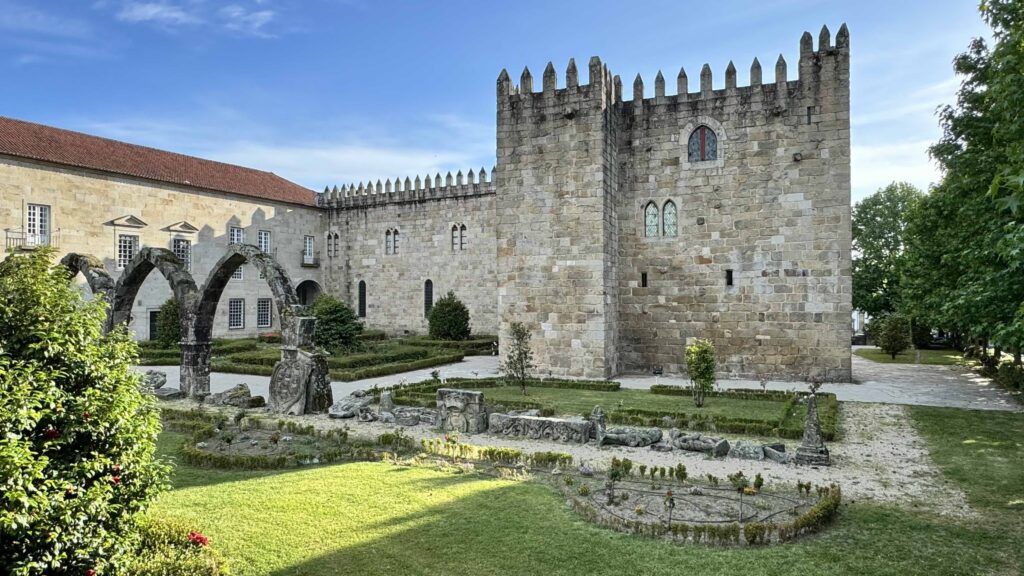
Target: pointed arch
(651, 220)
(455, 237)
(669, 219)
(361, 308)
(389, 243)
(135, 273)
(462, 237)
(702, 145)
(281, 286)
(100, 283)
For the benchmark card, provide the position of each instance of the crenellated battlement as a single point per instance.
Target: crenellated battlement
(607, 88)
(408, 190)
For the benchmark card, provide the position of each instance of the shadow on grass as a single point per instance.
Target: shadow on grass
(526, 529)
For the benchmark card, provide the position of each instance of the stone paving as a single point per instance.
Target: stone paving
(910, 384)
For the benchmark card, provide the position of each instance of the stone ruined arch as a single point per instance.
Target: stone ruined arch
(281, 287)
(94, 272)
(135, 273)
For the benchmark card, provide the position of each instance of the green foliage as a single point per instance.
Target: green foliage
(1010, 377)
(892, 333)
(449, 319)
(77, 437)
(700, 365)
(171, 548)
(879, 224)
(337, 326)
(168, 324)
(519, 360)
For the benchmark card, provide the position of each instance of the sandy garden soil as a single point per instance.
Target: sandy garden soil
(880, 458)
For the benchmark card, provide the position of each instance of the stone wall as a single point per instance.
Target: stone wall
(423, 214)
(89, 209)
(774, 208)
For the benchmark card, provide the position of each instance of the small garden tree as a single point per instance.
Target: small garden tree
(519, 360)
(337, 326)
(168, 326)
(700, 363)
(77, 437)
(893, 334)
(449, 319)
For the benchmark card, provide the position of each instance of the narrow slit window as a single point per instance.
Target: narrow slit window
(462, 237)
(455, 238)
(394, 248)
(362, 299)
(389, 245)
(728, 277)
(643, 279)
(428, 297)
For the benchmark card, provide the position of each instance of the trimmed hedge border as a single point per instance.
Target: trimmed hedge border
(474, 346)
(506, 456)
(751, 534)
(395, 368)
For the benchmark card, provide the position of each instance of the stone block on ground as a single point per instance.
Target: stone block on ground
(349, 406)
(169, 394)
(155, 379)
(539, 428)
(238, 396)
(747, 451)
(461, 411)
(698, 442)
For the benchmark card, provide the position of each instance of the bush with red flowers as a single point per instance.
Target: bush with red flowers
(169, 548)
(77, 437)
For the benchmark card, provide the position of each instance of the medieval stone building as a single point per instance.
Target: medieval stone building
(616, 230)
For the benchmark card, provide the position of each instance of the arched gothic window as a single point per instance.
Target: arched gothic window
(455, 237)
(462, 237)
(394, 249)
(651, 220)
(389, 243)
(703, 145)
(336, 237)
(362, 299)
(330, 246)
(669, 219)
(428, 297)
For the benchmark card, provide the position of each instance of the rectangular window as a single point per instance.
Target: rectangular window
(263, 237)
(236, 235)
(307, 250)
(643, 279)
(236, 314)
(728, 277)
(127, 248)
(264, 313)
(38, 225)
(182, 248)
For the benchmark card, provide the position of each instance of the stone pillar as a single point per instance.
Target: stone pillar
(195, 368)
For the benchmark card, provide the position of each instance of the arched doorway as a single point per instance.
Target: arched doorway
(307, 291)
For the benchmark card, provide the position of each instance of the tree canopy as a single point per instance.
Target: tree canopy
(879, 230)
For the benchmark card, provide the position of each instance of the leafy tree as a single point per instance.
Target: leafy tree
(700, 364)
(449, 319)
(893, 334)
(519, 360)
(965, 270)
(168, 326)
(77, 437)
(337, 326)
(879, 223)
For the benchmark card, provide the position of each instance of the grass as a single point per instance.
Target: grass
(580, 402)
(375, 519)
(933, 357)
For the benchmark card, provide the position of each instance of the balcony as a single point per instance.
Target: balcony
(19, 240)
(310, 260)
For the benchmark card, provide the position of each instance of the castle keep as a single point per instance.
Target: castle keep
(618, 229)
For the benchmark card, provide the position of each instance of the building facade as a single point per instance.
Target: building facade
(616, 230)
(83, 194)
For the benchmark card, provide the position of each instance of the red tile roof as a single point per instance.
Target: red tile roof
(38, 142)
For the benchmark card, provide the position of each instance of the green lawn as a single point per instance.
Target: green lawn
(579, 402)
(375, 519)
(935, 357)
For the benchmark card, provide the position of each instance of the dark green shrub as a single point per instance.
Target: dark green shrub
(449, 319)
(700, 365)
(77, 437)
(168, 326)
(337, 326)
(893, 334)
(1010, 377)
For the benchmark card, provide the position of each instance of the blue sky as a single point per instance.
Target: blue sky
(337, 91)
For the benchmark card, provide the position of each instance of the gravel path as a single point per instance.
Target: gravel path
(881, 458)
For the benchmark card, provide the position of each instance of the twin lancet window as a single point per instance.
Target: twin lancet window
(391, 241)
(666, 225)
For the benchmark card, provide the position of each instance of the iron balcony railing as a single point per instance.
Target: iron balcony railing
(21, 240)
(310, 260)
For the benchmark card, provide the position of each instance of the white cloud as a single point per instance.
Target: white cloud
(157, 12)
(238, 19)
(876, 166)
